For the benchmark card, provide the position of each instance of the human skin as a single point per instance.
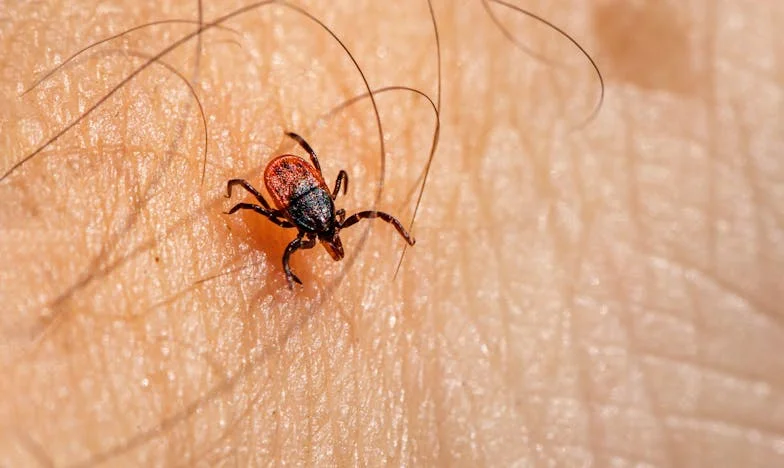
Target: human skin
(604, 294)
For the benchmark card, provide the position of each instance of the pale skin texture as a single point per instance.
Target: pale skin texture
(609, 296)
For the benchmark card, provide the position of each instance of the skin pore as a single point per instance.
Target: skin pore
(607, 295)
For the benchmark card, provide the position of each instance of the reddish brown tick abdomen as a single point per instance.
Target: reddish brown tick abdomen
(288, 177)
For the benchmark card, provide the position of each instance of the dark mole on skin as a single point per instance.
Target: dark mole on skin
(303, 201)
(647, 45)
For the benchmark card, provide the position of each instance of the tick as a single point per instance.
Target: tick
(303, 201)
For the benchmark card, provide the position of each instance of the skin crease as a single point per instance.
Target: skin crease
(606, 296)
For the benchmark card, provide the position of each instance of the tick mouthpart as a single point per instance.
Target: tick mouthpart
(334, 247)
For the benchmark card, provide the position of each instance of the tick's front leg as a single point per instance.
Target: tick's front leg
(293, 246)
(370, 214)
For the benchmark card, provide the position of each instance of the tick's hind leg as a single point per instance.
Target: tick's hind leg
(246, 185)
(293, 246)
(269, 214)
(353, 219)
(342, 178)
(304, 144)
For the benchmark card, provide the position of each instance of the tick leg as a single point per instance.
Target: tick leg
(293, 246)
(351, 220)
(304, 144)
(246, 185)
(269, 214)
(341, 216)
(342, 178)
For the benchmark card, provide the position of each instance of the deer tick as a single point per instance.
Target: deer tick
(303, 201)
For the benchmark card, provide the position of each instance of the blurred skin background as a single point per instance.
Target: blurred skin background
(597, 295)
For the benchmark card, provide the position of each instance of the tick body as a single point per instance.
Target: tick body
(303, 201)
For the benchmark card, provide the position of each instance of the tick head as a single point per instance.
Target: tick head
(333, 245)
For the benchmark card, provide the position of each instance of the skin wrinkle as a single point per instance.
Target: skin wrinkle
(330, 402)
(742, 428)
(628, 331)
(568, 293)
(583, 378)
(104, 271)
(723, 285)
(652, 403)
(309, 455)
(702, 365)
(68, 62)
(587, 217)
(752, 181)
(687, 268)
(99, 259)
(680, 360)
(500, 365)
(712, 129)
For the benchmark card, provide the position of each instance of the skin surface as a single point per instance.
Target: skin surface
(601, 296)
